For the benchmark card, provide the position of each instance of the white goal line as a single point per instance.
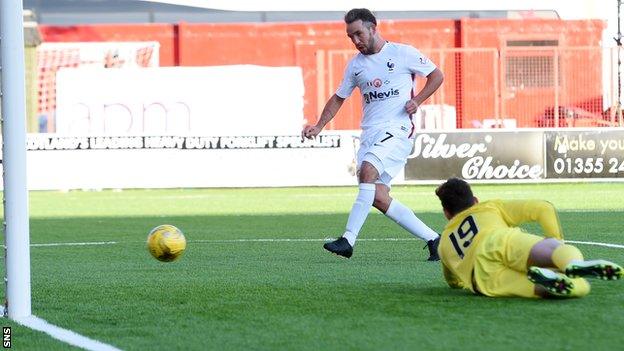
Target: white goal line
(88, 243)
(64, 335)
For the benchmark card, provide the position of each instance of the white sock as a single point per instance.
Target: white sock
(359, 211)
(408, 220)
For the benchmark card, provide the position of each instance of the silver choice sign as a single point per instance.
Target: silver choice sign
(476, 155)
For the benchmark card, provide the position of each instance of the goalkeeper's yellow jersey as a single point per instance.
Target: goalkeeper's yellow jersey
(466, 230)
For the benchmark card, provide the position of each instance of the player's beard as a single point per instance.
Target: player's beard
(370, 47)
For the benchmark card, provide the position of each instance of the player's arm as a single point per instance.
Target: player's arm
(540, 211)
(434, 80)
(329, 111)
(420, 65)
(333, 104)
(450, 278)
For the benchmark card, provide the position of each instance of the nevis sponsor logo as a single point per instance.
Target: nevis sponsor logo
(380, 95)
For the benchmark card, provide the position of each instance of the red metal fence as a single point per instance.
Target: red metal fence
(491, 88)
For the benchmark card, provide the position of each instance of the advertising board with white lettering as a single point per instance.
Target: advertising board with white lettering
(188, 161)
(477, 155)
(50, 142)
(585, 153)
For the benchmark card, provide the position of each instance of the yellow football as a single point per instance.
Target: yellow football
(166, 243)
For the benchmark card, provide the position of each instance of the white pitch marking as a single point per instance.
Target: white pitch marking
(585, 210)
(64, 335)
(88, 243)
(595, 244)
(288, 240)
(369, 239)
(251, 240)
(269, 240)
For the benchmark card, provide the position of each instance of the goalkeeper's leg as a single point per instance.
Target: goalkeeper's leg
(569, 260)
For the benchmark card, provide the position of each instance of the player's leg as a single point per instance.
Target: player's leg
(406, 218)
(492, 278)
(550, 283)
(343, 246)
(531, 254)
(553, 253)
(543, 283)
(389, 155)
(401, 214)
(569, 259)
(366, 196)
(600, 269)
(501, 270)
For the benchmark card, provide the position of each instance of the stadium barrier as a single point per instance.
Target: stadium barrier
(98, 162)
(521, 155)
(119, 162)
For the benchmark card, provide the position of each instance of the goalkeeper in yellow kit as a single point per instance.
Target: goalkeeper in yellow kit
(483, 250)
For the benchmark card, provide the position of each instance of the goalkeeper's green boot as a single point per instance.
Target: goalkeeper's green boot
(556, 284)
(599, 269)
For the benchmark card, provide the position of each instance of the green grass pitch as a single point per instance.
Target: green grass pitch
(240, 286)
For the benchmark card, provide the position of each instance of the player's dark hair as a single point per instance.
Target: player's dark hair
(455, 195)
(360, 14)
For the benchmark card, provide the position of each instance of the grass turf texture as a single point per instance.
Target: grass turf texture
(241, 295)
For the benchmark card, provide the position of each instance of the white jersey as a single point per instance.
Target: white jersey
(386, 81)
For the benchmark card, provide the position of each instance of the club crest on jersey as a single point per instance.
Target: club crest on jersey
(390, 65)
(375, 83)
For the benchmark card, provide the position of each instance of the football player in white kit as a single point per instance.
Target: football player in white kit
(384, 73)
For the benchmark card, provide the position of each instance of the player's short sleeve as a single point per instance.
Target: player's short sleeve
(348, 82)
(417, 62)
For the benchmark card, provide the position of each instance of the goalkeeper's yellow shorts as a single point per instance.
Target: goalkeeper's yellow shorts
(501, 264)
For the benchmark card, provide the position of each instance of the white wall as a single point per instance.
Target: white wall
(217, 100)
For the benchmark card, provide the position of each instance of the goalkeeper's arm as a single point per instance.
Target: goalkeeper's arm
(450, 278)
(540, 211)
